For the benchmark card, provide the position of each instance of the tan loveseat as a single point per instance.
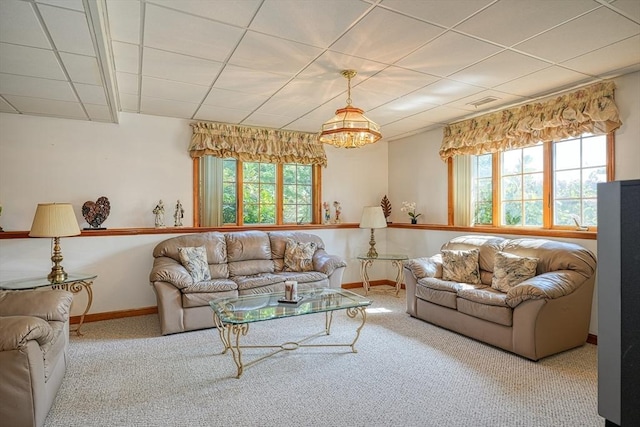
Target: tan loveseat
(244, 262)
(34, 338)
(540, 316)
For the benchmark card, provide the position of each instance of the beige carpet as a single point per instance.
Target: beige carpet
(406, 373)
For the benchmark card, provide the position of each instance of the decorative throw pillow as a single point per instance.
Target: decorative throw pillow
(509, 270)
(194, 259)
(298, 256)
(461, 266)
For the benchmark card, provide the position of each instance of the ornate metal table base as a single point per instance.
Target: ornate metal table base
(396, 261)
(230, 337)
(75, 287)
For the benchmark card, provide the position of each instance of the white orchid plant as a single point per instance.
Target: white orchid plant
(410, 209)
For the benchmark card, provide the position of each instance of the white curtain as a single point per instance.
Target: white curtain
(462, 175)
(210, 191)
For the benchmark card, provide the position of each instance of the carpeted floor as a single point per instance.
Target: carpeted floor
(406, 373)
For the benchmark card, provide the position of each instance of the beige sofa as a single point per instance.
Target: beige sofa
(244, 262)
(542, 315)
(34, 338)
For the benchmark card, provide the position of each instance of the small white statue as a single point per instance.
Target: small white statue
(178, 215)
(159, 212)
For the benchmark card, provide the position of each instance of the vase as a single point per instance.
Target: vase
(414, 220)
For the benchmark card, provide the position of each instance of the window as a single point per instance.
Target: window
(549, 185)
(257, 192)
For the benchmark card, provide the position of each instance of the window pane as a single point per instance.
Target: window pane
(567, 154)
(250, 214)
(267, 172)
(512, 213)
(485, 190)
(289, 174)
(229, 170)
(229, 194)
(289, 213)
(484, 169)
(594, 151)
(590, 179)
(483, 214)
(533, 159)
(512, 188)
(567, 185)
(305, 174)
(304, 195)
(250, 193)
(511, 162)
(267, 193)
(590, 212)
(304, 214)
(250, 172)
(289, 192)
(533, 213)
(564, 210)
(268, 214)
(229, 214)
(532, 186)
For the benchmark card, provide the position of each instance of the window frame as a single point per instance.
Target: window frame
(547, 196)
(316, 205)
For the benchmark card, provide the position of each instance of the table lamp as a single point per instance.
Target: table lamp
(372, 217)
(55, 220)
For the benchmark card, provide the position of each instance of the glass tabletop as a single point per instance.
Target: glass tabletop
(259, 307)
(385, 257)
(39, 282)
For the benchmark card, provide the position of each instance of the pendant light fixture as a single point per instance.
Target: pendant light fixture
(349, 128)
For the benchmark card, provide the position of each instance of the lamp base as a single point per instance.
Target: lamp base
(372, 247)
(57, 275)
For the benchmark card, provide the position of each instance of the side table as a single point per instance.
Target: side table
(74, 284)
(366, 262)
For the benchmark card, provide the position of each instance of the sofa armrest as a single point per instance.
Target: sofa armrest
(52, 304)
(168, 270)
(325, 263)
(425, 267)
(16, 331)
(551, 285)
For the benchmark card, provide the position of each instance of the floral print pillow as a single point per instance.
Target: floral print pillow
(509, 270)
(194, 259)
(461, 266)
(298, 256)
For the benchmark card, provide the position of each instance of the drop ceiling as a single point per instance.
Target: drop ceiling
(277, 63)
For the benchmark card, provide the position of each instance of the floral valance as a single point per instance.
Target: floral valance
(256, 144)
(589, 110)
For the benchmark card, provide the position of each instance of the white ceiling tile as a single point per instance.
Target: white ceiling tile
(441, 114)
(48, 107)
(177, 32)
(69, 30)
(404, 106)
(246, 80)
(5, 107)
(519, 20)
(234, 100)
(127, 57)
(502, 67)
(367, 40)
(34, 87)
(262, 52)
(329, 19)
(91, 94)
(614, 57)
(436, 57)
(20, 25)
(445, 91)
(591, 31)
(30, 61)
(438, 11)
(182, 68)
(301, 96)
(82, 69)
(404, 126)
(329, 65)
(230, 11)
(98, 112)
(165, 107)
(124, 20)
(542, 82)
(216, 113)
(630, 8)
(68, 4)
(127, 83)
(388, 85)
(176, 91)
(129, 102)
(267, 120)
(503, 99)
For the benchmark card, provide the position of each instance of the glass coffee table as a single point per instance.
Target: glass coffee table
(232, 317)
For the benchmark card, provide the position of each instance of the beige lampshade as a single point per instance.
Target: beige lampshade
(373, 217)
(54, 220)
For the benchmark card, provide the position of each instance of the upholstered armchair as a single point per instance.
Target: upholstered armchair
(34, 338)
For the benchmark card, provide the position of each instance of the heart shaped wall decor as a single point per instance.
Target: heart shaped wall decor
(96, 212)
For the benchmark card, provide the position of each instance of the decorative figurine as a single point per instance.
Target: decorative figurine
(95, 213)
(178, 215)
(327, 213)
(159, 212)
(338, 208)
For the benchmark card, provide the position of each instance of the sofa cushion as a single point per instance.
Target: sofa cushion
(488, 246)
(440, 291)
(213, 241)
(461, 266)
(554, 256)
(200, 299)
(510, 270)
(194, 259)
(303, 276)
(484, 295)
(258, 280)
(298, 256)
(213, 285)
(425, 267)
(279, 242)
(492, 313)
